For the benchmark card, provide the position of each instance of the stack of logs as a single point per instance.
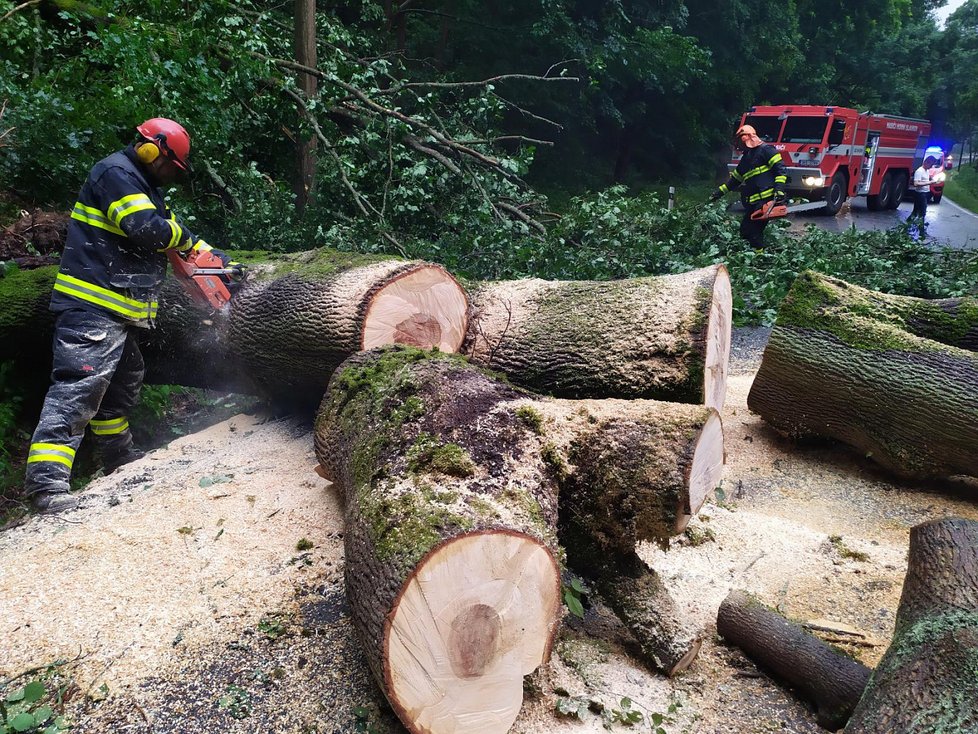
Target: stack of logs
(464, 486)
(468, 482)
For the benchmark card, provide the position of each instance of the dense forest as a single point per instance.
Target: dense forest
(438, 120)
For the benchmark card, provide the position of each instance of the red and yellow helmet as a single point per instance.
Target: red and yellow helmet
(170, 136)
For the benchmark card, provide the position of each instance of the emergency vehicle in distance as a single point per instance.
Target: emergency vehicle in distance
(833, 153)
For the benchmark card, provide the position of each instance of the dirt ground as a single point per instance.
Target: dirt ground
(201, 588)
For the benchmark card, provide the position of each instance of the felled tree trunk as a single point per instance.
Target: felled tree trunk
(927, 680)
(288, 326)
(451, 480)
(664, 337)
(838, 369)
(819, 673)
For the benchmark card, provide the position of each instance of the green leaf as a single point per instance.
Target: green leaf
(215, 479)
(22, 722)
(33, 691)
(574, 604)
(42, 714)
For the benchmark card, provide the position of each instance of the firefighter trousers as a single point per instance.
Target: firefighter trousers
(95, 382)
(752, 230)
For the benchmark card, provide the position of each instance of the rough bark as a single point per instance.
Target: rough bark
(664, 338)
(288, 327)
(817, 671)
(445, 468)
(668, 641)
(928, 679)
(836, 368)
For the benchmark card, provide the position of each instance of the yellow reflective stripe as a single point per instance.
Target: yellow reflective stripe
(757, 171)
(766, 194)
(202, 246)
(95, 218)
(175, 237)
(51, 452)
(776, 158)
(723, 188)
(105, 298)
(127, 205)
(110, 426)
(780, 179)
(736, 174)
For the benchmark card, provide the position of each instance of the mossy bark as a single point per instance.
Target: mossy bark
(928, 679)
(289, 325)
(839, 369)
(814, 669)
(637, 338)
(430, 457)
(429, 449)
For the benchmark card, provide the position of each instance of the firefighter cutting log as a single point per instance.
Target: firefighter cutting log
(115, 256)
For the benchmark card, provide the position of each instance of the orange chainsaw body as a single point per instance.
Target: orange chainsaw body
(770, 210)
(200, 275)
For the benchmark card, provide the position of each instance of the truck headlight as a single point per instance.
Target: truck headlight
(813, 180)
(939, 177)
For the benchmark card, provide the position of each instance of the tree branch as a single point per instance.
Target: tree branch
(28, 4)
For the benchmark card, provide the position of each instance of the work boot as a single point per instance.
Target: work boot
(54, 503)
(114, 461)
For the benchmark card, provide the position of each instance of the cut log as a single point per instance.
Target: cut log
(664, 338)
(666, 638)
(928, 679)
(817, 671)
(834, 368)
(451, 480)
(289, 325)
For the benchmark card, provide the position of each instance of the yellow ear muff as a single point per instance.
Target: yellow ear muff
(148, 152)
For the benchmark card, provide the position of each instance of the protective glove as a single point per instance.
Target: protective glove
(716, 195)
(780, 197)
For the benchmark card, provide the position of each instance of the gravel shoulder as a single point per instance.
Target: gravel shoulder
(184, 597)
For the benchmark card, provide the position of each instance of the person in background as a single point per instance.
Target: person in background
(761, 175)
(105, 293)
(921, 188)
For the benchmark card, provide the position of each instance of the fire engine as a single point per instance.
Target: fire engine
(833, 153)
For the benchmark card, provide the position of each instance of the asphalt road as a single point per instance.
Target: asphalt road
(948, 225)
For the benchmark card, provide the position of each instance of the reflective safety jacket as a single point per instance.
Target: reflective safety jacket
(761, 173)
(115, 253)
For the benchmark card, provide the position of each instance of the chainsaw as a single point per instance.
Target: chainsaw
(201, 277)
(770, 210)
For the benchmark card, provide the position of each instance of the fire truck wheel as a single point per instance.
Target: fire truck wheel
(899, 189)
(835, 197)
(880, 201)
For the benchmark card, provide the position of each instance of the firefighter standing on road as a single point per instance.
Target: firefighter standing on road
(111, 269)
(761, 175)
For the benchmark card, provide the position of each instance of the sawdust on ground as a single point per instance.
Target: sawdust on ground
(185, 596)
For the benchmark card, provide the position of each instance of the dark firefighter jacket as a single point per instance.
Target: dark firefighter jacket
(760, 174)
(115, 253)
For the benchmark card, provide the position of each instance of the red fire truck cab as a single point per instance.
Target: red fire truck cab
(833, 153)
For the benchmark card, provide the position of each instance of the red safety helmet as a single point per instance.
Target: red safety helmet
(170, 136)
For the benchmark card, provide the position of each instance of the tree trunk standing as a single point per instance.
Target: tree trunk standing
(305, 54)
(820, 674)
(928, 679)
(445, 471)
(662, 337)
(835, 367)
